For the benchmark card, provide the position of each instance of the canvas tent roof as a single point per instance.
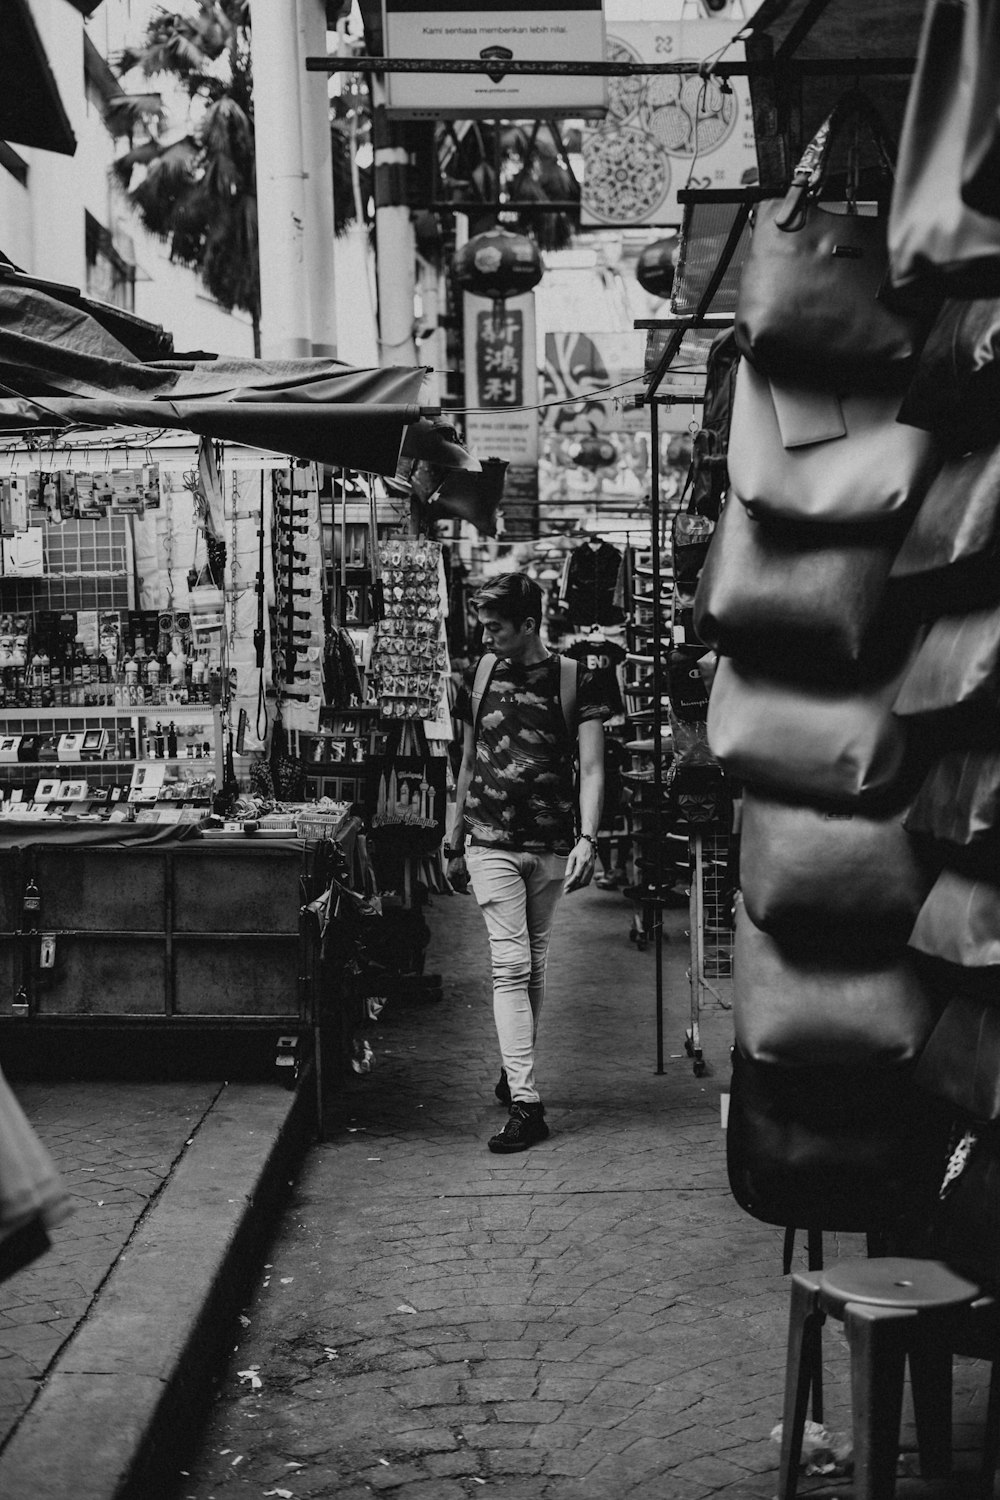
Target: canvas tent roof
(60, 368)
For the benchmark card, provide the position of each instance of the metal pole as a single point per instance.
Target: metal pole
(657, 903)
(281, 197)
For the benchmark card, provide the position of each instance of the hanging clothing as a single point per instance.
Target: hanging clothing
(589, 584)
(604, 659)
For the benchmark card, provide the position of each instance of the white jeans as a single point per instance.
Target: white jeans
(518, 892)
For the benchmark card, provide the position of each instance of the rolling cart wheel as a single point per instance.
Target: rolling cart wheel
(688, 1044)
(700, 1068)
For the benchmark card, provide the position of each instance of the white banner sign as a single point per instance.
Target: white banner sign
(466, 30)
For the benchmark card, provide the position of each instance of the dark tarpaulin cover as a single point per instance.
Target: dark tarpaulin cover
(344, 435)
(315, 409)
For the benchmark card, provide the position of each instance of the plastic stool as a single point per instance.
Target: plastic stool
(892, 1309)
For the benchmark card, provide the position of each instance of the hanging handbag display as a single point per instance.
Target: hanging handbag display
(956, 671)
(937, 244)
(949, 555)
(843, 874)
(836, 745)
(808, 455)
(810, 1006)
(686, 685)
(808, 307)
(803, 601)
(959, 801)
(690, 537)
(960, 922)
(955, 391)
(981, 159)
(961, 1062)
(839, 1149)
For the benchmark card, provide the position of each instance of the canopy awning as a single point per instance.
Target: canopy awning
(31, 111)
(60, 368)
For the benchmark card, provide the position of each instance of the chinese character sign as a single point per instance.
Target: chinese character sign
(500, 357)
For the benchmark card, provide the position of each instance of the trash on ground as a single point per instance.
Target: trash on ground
(823, 1452)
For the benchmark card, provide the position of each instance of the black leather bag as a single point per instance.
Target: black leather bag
(955, 390)
(813, 1006)
(981, 160)
(960, 922)
(844, 876)
(949, 559)
(961, 1062)
(852, 1150)
(959, 800)
(812, 456)
(937, 244)
(801, 601)
(956, 672)
(808, 305)
(841, 746)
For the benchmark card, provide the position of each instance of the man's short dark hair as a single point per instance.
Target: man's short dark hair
(514, 596)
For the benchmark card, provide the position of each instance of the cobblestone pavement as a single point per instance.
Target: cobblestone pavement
(115, 1145)
(592, 1320)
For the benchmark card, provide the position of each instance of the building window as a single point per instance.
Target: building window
(110, 276)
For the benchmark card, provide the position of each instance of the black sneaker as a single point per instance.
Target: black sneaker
(502, 1089)
(525, 1125)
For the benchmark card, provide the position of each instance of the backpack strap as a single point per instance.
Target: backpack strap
(485, 667)
(569, 672)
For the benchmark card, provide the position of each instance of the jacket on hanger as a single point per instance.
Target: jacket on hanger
(589, 585)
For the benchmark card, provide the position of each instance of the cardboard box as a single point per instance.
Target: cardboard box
(70, 746)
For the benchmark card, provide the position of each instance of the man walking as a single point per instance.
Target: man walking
(520, 834)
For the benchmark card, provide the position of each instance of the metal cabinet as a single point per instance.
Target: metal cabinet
(170, 959)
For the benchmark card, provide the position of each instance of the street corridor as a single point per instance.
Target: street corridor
(594, 1319)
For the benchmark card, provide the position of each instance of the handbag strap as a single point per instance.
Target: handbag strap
(809, 177)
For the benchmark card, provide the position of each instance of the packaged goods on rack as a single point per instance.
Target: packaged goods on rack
(410, 659)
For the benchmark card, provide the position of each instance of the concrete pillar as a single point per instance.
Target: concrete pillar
(314, 104)
(278, 69)
(394, 242)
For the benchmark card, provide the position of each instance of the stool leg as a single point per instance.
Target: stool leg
(804, 1323)
(991, 1437)
(930, 1381)
(816, 1264)
(876, 1337)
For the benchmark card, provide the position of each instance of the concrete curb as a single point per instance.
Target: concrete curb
(111, 1416)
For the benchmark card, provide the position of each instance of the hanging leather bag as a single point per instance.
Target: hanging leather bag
(937, 243)
(956, 671)
(808, 307)
(961, 1062)
(841, 875)
(802, 741)
(959, 800)
(981, 160)
(810, 1007)
(797, 454)
(949, 555)
(838, 1149)
(802, 601)
(955, 391)
(960, 922)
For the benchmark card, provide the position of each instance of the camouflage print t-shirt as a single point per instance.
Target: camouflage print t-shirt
(523, 793)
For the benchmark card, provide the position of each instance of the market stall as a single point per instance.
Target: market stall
(223, 660)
